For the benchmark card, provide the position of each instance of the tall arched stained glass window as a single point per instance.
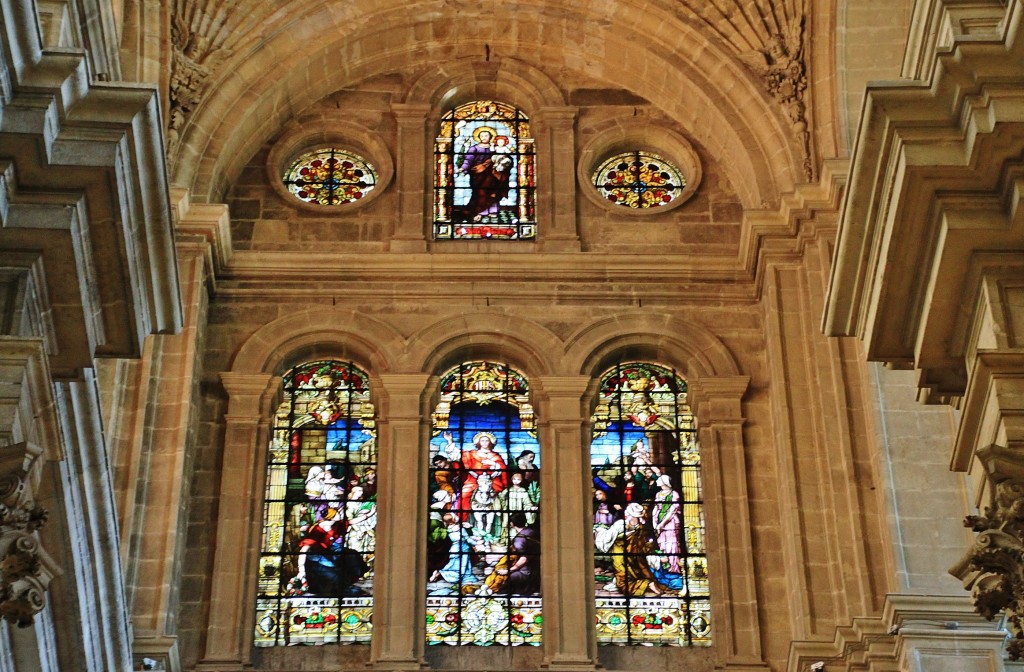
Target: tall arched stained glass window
(483, 555)
(484, 174)
(320, 512)
(650, 565)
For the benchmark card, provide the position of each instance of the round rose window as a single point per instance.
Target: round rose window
(330, 176)
(639, 180)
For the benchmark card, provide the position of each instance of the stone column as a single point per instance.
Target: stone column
(399, 599)
(232, 605)
(411, 175)
(736, 632)
(943, 634)
(556, 229)
(567, 547)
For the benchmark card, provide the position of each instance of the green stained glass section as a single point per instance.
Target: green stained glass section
(315, 583)
(330, 176)
(650, 563)
(639, 180)
(483, 543)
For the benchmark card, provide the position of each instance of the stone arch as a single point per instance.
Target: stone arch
(724, 105)
(320, 332)
(524, 344)
(510, 80)
(691, 348)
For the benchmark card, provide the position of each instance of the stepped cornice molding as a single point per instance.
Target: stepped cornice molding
(935, 178)
(85, 187)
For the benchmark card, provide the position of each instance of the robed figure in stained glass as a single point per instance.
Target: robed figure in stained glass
(483, 552)
(487, 165)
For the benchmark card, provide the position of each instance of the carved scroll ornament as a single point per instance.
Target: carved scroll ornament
(993, 569)
(26, 569)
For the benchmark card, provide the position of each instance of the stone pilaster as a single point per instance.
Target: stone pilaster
(720, 421)
(399, 603)
(231, 604)
(411, 177)
(567, 547)
(557, 229)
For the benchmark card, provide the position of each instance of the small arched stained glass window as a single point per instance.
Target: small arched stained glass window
(639, 180)
(484, 174)
(330, 176)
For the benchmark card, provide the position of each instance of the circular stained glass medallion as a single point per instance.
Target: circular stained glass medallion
(639, 180)
(330, 176)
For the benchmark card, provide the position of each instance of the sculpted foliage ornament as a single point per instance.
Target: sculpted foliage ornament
(993, 569)
(25, 567)
(768, 37)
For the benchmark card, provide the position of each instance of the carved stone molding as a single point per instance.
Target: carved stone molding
(993, 568)
(768, 37)
(26, 569)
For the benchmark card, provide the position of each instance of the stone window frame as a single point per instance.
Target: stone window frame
(627, 135)
(329, 131)
(564, 376)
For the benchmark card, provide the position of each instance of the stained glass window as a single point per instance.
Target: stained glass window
(484, 173)
(330, 176)
(315, 581)
(639, 180)
(650, 566)
(483, 549)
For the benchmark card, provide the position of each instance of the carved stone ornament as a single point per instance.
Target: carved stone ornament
(26, 569)
(768, 37)
(993, 569)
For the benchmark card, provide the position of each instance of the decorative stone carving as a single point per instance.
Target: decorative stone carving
(26, 569)
(993, 569)
(780, 63)
(768, 37)
(203, 35)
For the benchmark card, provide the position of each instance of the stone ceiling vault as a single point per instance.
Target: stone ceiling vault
(728, 71)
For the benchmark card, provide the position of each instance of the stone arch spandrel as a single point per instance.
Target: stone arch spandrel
(321, 332)
(524, 344)
(690, 347)
(721, 102)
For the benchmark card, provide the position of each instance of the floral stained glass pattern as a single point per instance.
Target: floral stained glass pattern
(651, 573)
(483, 549)
(316, 561)
(330, 176)
(484, 174)
(639, 180)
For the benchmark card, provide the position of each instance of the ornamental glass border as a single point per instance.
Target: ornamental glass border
(315, 582)
(484, 174)
(650, 561)
(638, 180)
(330, 176)
(483, 547)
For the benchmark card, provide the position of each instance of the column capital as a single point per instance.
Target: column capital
(562, 386)
(400, 384)
(410, 112)
(717, 400)
(245, 390)
(559, 115)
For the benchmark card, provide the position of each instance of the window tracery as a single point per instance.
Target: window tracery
(330, 176)
(638, 179)
(650, 563)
